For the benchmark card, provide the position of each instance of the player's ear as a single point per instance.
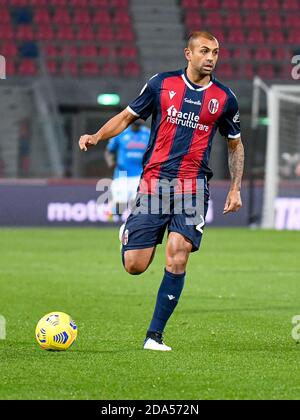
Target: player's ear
(187, 53)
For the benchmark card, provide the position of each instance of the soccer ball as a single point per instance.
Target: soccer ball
(56, 331)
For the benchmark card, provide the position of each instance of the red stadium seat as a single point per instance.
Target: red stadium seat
(10, 68)
(107, 52)
(62, 16)
(52, 51)
(28, 68)
(292, 21)
(266, 71)
(121, 18)
(225, 71)
(18, 3)
(102, 18)
(105, 34)
(233, 20)
(9, 49)
(38, 3)
(85, 33)
(293, 37)
(231, 4)
(262, 53)
(236, 36)
(255, 37)
(24, 33)
(52, 67)
(99, 3)
(281, 54)
(253, 21)
(245, 71)
(110, 70)
(275, 37)
(193, 19)
(128, 52)
(42, 16)
(90, 69)
(270, 5)
(80, 3)
(190, 4)
(210, 4)
(119, 4)
(88, 51)
(273, 21)
(219, 34)
(82, 17)
(241, 54)
(65, 33)
(5, 16)
(290, 5)
(225, 54)
(69, 68)
(6, 32)
(69, 50)
(45, 33)
(251, 5)
(59, 3)
(131, 70)
(213, 20)
(124, 34)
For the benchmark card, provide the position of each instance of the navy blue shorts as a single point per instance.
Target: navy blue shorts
(148, 230)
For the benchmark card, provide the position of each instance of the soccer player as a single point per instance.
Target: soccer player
(125, 153)
(187, 107)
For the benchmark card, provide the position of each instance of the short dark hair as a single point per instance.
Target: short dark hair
(200, 34)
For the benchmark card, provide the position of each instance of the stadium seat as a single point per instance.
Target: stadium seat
(128, 52)
(270, 5)
(90, 69)
(80, 4)
(210, 4)
(251, 5)
(5, 16)
(214, 20)
(107, 52)
(105, 34)
(38, 3)
(255, 37)
(292, 21)
(82, 17)
(273, 21)
(241, 54)
(193, 19)
(88, 51)
(44, 33)
(224, 71)
(69, 68)
(131, 70)
(25, 33)
(219, 34)
(233, 20)
(124, 34)
(119, 4)
(99, 3)
(65, 33)
(110, 70)
(262, 53)
(52, 67)
(9, 49)
(52, 51)
(245, 71)
(293, 37)
(275, 37)
(62, 16)
(266, 71)
(85, 33)
(10, 68)
(121, 18)
(28, 68)
(22, 16)
(253, 21)
(69, 50)
(231, 4)
(42, 16)
(102, 18)
(225, 54)
(190, 4)
(281, 54)
(18, 3)
(59, 3)
(236, 36)
(290, 5)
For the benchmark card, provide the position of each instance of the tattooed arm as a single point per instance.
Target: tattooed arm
(236, 168)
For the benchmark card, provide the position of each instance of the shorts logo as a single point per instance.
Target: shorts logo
(125, 237)
(236, 118)
(213, 106)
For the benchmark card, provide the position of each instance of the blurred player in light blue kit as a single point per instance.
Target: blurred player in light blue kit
(125, 153)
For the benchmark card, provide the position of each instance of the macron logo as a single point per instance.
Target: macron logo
(171, 297)
(172, 94)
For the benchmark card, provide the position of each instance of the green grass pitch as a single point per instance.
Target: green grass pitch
(231, 332)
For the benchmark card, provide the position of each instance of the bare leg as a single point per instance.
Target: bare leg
(177, 253)
(138, 260)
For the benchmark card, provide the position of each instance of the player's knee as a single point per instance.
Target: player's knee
(177, 263)
(134, 268)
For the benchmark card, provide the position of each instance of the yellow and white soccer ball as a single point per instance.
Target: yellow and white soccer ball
(56, 331)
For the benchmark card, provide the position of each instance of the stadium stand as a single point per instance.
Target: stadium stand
(71, 37)
(260, 29)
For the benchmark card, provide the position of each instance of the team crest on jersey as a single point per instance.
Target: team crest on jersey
(213, 106)
(172, 94)
(125, 237)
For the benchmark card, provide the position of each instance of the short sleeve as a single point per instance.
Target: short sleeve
(113, 145)
(143, 105)
(229, 123)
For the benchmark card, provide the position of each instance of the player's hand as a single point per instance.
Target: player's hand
(233, 202)
(87, 141)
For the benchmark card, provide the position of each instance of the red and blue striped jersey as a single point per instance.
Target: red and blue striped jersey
(185, 118)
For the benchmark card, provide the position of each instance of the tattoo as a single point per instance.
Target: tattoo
(236, 162)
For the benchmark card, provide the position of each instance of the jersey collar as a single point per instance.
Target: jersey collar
(192, 85)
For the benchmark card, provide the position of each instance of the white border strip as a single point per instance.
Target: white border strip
(132, 111)
(230, 136)
(191, 87)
